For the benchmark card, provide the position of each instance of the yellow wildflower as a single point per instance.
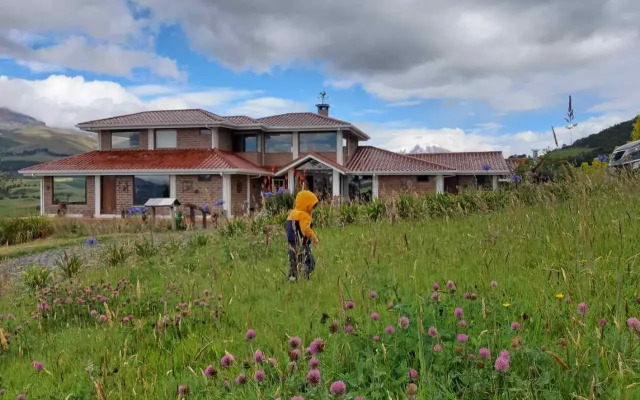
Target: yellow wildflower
(559, 296)
(506, 304)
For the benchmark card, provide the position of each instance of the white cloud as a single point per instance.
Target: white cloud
(64, 101)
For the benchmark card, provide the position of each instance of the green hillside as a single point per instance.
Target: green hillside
(603, 142)
(25, 141)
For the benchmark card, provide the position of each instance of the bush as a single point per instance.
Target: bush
(36, 277)
(69, 265)
(21, 230)
(278, 203)
(116, 254)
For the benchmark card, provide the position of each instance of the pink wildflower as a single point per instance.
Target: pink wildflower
(484, 353)
(338, 388)
(411, 391)
(297, 398)
(227, 360)
(583, 308)
(436, 286)
(349, 329)
(102, 318)
(21, 396)
(437, 348)
(404, 322)
(502, 364)
(462, 323)
(294, 354)
(389, 329)
(316, 346)
(462, 338)
(250, 334)
(432, 331)
(314, 363)
(240, 379)
(295, 342)
(505, 354)
(376, 339)
(183, 390)
(494, 284)
(93, 313)
(259, 375)
(210, 371)
(602, 322)
(314, 377)
(373, 294)
(390, 304)
(273, 362)
(435, 296)
(39, 366)
(633, 324)
(451, 285)
(458, 312)
(467, 295)
(515, 326)
(350, 305)
(413, 374)
(258, 357)
(375, 316)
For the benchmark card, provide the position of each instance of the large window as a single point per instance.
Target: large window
(70, 190)
(246, 143)
(318, 142)
(125, 140)
(147, 187)
(278, 143)
(166, 139)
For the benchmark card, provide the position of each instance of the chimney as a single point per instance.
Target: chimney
(323, 107)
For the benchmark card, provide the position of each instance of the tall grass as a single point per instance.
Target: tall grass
(191, 304)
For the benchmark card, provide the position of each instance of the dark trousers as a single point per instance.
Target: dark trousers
(300, 256)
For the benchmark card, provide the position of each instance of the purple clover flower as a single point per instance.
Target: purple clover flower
(90, 242)
(338, 388)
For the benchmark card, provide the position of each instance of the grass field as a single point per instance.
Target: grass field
(553, 285)
(568, 152)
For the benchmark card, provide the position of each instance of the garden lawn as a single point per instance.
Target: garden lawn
(192, 302)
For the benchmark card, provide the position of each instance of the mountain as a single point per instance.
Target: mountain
(25, 141)
(603, 142)
(417, 149)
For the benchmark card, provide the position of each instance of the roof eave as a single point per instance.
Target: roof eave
(90, 127)
(231, 171)
(365, 172)
(305, 158)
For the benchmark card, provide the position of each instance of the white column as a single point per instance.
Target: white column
(173, 187)
(336, 183)
(296, 145)
(374, 189)
(292, 181)
(440, 184)
(42, 196)
(97, 182)
(339, 155)
(494, 182)
(248, 194)
(215, 138)
(99, 133)
(226, 194)
(152, 140)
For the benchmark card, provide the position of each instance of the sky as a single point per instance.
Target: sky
(465, 75)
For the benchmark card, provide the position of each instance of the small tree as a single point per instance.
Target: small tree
(5, 178)
(635, 133)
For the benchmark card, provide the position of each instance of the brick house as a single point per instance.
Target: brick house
(202, 158)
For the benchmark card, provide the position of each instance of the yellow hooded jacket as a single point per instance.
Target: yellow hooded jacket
(300, 216)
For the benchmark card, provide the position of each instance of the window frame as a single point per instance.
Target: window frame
(244, 136)
(136, 177)
(423, 178)
(306, 135)
(173, 131)
(121, 134)
(53, 190)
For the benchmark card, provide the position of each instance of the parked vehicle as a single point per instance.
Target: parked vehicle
(626, 156)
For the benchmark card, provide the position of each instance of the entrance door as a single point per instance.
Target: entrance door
(451, 184)
(108, 195)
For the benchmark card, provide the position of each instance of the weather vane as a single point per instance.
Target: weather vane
(323, 97)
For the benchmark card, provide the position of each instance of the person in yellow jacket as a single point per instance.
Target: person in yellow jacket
(300, 234)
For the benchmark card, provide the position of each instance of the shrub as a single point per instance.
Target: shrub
(282, 202)
(69, 265)
(199, 240)
(144, 249)
(116, 254)
(233, 228)
(22, 230)
(36, 277)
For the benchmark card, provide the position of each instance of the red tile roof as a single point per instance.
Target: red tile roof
(369, 159)
(468, 161)
(204, 160)
(307, 119)
(241, 120)
(514, 163)
(156, 118)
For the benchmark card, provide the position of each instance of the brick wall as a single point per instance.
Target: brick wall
(105, 140)
(466, 182)
(86, 210)
(331, 156)
(192, 139)
(124, 193)
(393, 185)
(256, 188)
(190, 190)
(144, 140)
(224, 139)
(239, 191)
(277, 159)
(352, 146)
(253, 157)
